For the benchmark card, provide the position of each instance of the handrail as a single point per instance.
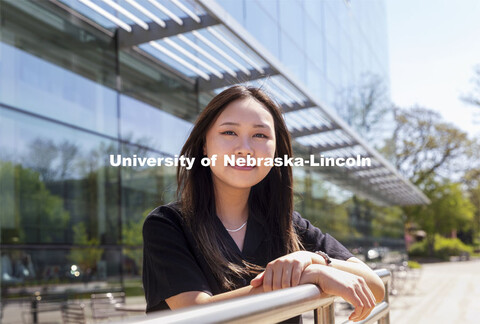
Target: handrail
(271, 307)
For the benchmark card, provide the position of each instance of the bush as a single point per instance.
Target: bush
(418, 249)
(443, 248)
(414, 265)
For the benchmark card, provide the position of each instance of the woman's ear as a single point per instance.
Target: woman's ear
(204, 150)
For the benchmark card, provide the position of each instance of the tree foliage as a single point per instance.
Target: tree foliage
(424, 145)
(435, 156)
(473, 97)
(87, 253)
(30, 213)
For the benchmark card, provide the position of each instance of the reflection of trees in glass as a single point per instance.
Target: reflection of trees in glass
(365, 107)
(319, 207)
(86, 256)
(375, 221)
(33, 214)
(53, 161)
(133, 242)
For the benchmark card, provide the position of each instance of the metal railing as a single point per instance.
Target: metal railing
(271, 307)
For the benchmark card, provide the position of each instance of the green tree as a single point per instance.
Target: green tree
(473, 97)
(472, 181)
(30, 213)
(424, 145)
(450, 209)
(87, 253)
(434, 155)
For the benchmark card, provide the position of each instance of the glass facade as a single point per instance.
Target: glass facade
(69, 99)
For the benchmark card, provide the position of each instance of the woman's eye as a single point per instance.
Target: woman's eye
(260, 135)
(228, 133)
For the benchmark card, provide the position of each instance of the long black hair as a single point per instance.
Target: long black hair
(270, 201)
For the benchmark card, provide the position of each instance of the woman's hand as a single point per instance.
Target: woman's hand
(284, 272)
(350, 287)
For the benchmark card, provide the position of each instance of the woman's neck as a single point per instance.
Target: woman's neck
(231, 205)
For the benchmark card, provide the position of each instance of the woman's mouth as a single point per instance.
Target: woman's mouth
(242, 168)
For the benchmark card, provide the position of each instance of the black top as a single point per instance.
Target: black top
(173, 263)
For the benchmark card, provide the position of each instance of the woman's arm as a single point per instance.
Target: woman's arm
(191, 298)
(359, 268)
(285, 272)
(332, 281)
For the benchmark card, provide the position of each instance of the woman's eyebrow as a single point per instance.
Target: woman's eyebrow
(237, 124)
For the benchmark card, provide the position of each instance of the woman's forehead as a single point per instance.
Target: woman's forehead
(246, 111)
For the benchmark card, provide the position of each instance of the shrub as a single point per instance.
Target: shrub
(443, 248)
(414, 265)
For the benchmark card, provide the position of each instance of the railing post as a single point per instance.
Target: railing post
(34, 307)
(325, 314)
(386, 318)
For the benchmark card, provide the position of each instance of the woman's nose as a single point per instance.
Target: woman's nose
(244, 147)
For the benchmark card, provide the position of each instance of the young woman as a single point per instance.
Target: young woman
(233, 231)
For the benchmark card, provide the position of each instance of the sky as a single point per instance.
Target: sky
(434, 46)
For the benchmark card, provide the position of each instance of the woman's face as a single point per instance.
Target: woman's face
(244, 127)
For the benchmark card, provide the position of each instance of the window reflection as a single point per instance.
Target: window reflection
(156, 134)
(56, 179)
(82, 268)
(267, 31)
(49, 75)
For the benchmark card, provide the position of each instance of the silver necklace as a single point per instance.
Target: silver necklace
(236, 230)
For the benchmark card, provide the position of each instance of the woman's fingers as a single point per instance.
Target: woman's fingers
(355, 300)
(296, 275)
(267, 279)
(284, 272)
(371, 299)
(365, 310)
(277, 277)
(258, 280)
(366, 296)
(287, 275)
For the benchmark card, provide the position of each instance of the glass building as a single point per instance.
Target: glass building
(81, 80)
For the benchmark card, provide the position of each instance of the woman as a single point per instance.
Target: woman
(233, 231)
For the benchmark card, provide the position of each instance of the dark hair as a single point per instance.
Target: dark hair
(270, 201)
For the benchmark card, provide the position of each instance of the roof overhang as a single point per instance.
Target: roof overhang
(200, 40)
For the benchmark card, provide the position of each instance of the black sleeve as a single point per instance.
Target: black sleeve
(169, 267)
(313, 239)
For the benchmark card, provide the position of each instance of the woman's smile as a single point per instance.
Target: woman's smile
(242, 168)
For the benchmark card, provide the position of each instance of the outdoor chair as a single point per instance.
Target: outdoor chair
(73, 313)
(103, 305)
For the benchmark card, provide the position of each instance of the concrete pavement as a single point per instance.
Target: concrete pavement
(447, 292)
